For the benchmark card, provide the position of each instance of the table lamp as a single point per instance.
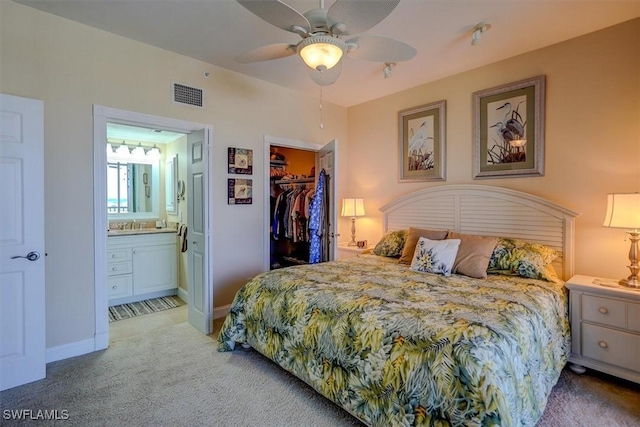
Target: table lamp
(623, 211)
(353, 208)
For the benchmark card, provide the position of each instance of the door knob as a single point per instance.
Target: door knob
(31, 256)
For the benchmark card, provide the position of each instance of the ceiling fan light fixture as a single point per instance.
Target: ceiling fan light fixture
(321, 52)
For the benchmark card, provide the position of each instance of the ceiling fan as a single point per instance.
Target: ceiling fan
(322, 47)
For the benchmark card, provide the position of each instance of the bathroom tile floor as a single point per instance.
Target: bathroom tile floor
(141, 325)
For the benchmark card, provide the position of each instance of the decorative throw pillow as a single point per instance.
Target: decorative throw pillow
(412, 240)
(391, 244)
(473, 254)
(517, 257)
(435, 256)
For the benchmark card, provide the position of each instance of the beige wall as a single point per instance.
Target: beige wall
(592, 137)
(71, 67)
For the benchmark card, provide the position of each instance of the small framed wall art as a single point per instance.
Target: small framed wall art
(240, 161)
(421, 143)
(240, 191)
(508, 130)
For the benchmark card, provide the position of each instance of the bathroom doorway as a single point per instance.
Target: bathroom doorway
(156, 207)
(147, 213)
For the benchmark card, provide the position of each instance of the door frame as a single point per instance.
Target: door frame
(102, 115)
(270, 140)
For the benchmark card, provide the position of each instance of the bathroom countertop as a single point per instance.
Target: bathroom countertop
(111, 233)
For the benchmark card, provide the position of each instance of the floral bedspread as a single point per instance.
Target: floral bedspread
(395, 347)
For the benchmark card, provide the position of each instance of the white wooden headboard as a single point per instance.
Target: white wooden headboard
(489, 211)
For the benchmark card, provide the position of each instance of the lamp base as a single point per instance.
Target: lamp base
(630, 282)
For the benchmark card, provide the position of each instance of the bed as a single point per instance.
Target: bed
(396, 346)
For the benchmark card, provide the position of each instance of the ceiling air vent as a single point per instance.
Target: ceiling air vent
(187, 95)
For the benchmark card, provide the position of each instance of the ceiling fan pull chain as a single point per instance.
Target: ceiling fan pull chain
(321, 115)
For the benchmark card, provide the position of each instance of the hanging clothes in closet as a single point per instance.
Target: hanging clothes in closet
(289, 227)
(319, 221)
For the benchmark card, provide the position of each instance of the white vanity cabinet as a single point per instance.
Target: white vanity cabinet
(141, 266)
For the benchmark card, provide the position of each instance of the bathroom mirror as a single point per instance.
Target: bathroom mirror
(132, 188)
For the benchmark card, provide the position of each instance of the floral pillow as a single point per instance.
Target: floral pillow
(435, 256)
(391, 244)
(517, 257)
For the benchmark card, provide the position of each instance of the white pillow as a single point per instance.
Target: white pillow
(435, 256)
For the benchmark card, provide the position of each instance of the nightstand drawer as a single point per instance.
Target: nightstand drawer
(117, 268)
(609, 346)
(605, 311)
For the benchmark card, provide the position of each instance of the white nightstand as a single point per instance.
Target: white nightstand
(345, 251)
(605, 327)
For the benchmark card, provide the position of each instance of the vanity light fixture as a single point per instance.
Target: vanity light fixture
(138, 151)
(109, 149)
(154, 152)
(123, 150)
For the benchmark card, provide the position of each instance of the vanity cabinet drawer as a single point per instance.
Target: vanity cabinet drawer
(118, 255)
(609, 346)
(120, 286)
(117, 268)
(605, 311)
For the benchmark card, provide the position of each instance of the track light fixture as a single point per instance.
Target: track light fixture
(388, 67)
(477, 33)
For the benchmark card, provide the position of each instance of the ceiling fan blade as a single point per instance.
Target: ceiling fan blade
(327, 77)
(277, 13)
(380, 49)
(358, 15)
(265, 53)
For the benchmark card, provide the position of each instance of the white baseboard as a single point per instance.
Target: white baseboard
(73, 349)
(219, 312)
(183, 294)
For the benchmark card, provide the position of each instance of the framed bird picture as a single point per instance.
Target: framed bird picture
(508, 129)
(421, 143)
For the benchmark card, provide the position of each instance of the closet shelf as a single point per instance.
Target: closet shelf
(278, 162)
(295, 181)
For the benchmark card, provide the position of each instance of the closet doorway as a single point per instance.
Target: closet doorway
(197, 192)
(293, 168)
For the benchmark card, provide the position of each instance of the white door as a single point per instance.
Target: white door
(327, 161)
(22, 317)
(200, 302)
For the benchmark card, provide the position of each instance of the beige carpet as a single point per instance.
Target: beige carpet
(176, 377)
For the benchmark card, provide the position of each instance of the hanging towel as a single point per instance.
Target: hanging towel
(182, 232)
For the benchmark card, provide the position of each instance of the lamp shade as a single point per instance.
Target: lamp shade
(623, 211)
(353, 207)
(321, 52)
